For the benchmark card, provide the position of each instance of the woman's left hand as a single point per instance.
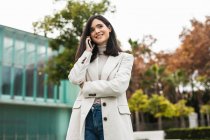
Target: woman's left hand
(89, 46)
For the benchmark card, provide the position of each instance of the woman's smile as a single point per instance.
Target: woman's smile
(99, 32)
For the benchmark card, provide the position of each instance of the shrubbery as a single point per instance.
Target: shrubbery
(200, 133)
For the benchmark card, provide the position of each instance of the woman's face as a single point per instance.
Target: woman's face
(99, 32)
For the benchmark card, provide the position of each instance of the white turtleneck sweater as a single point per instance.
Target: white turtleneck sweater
(102, 58)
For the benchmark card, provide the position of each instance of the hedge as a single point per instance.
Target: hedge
(200, 133)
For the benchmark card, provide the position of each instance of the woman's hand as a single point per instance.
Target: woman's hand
(89, 45)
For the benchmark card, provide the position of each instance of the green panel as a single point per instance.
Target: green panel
(12, 67)
(44, 123)
(45, 87)
(68, 92)
(45, 75)
(1, 44)
(55, 93)
(19, 72)
(1, 57)
(24, 69)
(62, 126)
(35, 72)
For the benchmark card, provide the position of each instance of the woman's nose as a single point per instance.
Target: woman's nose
(97, 30)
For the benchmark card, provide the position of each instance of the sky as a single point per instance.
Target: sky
(163, 19)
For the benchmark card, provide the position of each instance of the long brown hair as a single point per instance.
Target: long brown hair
(112, 47)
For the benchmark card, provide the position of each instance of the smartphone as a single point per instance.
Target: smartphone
(90, 42)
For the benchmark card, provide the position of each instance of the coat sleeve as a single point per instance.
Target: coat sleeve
(78, 72)
(115, 87)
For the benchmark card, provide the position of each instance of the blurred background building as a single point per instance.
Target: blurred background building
(30, 107)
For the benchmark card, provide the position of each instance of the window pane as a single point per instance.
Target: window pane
(50, 91)
(29, 81)
(7, 41)
(18, 81)
(6, 76)
(7, 55)
(19, 53)
(41, 50)
(30, 53)
(40, 84)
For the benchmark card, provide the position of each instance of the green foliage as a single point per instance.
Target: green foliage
(69, 23)
(155, 71)
(176, 78)
(143, 48)
(59, 65)
(205, 109)
(201, 133)
(153, 78)
(159, 106)
(204, 80)
(182, 109)
(134, 44)
(138, 101)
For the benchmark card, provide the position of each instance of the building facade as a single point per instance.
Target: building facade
(30, 107)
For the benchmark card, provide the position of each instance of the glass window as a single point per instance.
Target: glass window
(40, 83)
(7, 41)
(29, 81)
(41, 50)
(30, 53)
(19, 53)
(50, 91)
(41, 54)
(7, 55)
(18, 81)
(6, 76)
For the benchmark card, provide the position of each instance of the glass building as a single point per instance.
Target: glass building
(30, 107)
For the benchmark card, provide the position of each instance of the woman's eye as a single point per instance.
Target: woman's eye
(99, 26)
(91, 30)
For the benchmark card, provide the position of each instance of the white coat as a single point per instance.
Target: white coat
(111, 89)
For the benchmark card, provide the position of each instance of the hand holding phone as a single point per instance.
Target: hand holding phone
(89, 44)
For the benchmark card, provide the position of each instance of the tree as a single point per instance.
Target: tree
(152, 79)
(69, 24)
(193, 55)
(182, 111)
(160, 107)
(142, 53)
(138, 103)
(204, 82)
(138, 67)
(194, 58)
(144, 48)
(205, 109)
(174, 80)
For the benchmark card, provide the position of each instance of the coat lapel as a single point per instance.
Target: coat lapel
(110, 65)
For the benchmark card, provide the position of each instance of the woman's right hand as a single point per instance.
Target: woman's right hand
(89, 46)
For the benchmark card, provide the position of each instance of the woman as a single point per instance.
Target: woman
(103, 72)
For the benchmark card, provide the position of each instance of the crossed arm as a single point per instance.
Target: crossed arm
(102, 88)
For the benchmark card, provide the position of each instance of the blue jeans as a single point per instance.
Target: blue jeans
(94, 124)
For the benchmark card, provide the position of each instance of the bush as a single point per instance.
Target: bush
(200, 133)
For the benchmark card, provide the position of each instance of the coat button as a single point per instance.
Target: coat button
(92, 94)
(104, 104)
(84, 60)
(105, 118)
